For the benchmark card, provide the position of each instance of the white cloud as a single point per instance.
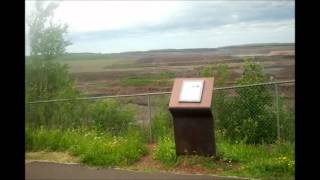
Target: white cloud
(106, 15)
(232, 34)
(115, 26)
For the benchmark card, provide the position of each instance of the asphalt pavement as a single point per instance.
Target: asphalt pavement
(57, 171)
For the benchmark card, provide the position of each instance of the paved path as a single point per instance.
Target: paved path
(55, 171)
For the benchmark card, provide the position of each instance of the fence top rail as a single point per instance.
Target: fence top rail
(157, 93)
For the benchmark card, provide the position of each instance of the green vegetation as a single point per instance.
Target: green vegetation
(220, 73)
(110, 116)
(162, 125)
(92, 147)
(104, 133)
(105, 63)
(51, 80)
(246, 131)
(167, 75)
(263, 161)
(258, 161)
(165, 151)
(46, 37)
(250, 116)
(48, 80)
(162, 79)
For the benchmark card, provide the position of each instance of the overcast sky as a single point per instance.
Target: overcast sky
(109, 26)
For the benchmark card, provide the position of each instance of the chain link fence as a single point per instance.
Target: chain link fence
(254, 113)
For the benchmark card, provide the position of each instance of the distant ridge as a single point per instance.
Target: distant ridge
(216, 48)
(223, 50)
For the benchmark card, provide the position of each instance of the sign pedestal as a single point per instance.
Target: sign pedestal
(190, 106)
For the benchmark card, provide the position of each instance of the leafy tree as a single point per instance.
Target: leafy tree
(46, 37)
(46, 79)
(250, 114)
(220, 73)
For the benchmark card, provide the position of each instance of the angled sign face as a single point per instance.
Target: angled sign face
(191, 91)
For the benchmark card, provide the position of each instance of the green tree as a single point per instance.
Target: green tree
(249, 116)
(46, 79)
(220, 72)
(46, 37)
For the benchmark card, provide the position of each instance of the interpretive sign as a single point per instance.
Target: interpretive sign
(191, 91)
(190, 107)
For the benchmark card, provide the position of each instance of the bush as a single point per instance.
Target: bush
(50, 80)
(111, 116)
(165, 151)
(287, 121)
(249, 115)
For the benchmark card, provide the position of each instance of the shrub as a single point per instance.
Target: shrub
(206, 71)
(287, 121)
(111, 116)
(249, 115)
(49, 80)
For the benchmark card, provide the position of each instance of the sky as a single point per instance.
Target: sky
(119, 26)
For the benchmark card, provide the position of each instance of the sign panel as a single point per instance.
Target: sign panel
(191, 91)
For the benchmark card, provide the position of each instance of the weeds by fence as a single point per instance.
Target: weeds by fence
(252, 113)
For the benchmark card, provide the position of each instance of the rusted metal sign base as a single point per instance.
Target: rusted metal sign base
(193, 132)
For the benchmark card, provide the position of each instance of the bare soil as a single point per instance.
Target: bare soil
(109, 82)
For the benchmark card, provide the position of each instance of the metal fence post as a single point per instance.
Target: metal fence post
(149, 119)
(277, 106)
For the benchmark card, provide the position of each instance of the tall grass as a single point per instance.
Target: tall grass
(258, 161)
(165, 151)
(92, 147)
